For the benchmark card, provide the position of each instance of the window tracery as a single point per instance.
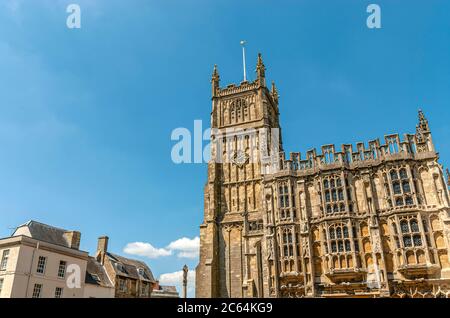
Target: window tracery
(401, 188)
(410, 232)
(286, 202)
(339, 238)
(334, 194)
(238, 112)
(287, 260)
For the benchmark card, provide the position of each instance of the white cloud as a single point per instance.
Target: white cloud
(176, 279)
(145, 249)
(187, 248)
(183, 247)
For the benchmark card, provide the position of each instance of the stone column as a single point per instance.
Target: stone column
(185, 272)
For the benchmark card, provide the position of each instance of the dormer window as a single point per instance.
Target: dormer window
(120, 267)
(141, 271)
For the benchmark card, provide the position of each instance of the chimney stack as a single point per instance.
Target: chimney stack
(73, 239)
(102, 248)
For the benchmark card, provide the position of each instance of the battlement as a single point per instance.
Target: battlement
(244, 86)
(411, 147)
(241, 88)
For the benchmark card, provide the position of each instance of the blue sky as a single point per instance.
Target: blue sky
(86, 115)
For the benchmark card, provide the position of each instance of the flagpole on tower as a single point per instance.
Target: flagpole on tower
(243, 59)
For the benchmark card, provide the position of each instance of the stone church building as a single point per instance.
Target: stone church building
(365, 221)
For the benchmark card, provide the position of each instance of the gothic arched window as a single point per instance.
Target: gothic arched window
(284, 199)
(401, 187)
(339, 237)
(334, 193)
(410, 232)
(288, 244)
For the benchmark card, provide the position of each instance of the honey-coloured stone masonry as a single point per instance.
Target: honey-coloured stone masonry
(365, 221)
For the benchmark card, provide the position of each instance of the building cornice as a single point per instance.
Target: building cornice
(28, 241)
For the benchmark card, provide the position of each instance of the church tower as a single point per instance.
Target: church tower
(244, 119)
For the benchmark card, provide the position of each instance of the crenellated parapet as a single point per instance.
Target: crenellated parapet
(245, 86)
(411, 146)
(233, 89)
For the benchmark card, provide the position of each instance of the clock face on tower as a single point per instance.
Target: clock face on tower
(240, 158)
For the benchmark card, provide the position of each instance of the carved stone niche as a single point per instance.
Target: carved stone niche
(255, 226)
(304, 228)
(373, 221)
(270, 248)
